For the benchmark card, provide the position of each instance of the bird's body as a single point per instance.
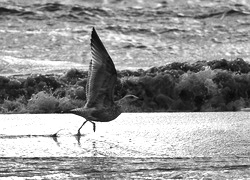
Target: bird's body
(104, 114)
(102, 77)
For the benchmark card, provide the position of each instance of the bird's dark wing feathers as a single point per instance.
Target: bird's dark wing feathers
(102, 75)
(89, 73)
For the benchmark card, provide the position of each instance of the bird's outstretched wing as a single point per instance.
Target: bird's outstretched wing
(102, 75)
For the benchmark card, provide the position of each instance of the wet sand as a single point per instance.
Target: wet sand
(131, 134)
(155, 145)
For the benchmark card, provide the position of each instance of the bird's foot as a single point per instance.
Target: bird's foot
(55, 135)
(78, 134)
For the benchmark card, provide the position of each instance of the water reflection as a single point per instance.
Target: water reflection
(56, 141)
(78, 139)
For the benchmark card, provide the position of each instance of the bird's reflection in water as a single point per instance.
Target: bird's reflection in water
(78, 138)
(55, 139)
(95, 153)
(93, 142)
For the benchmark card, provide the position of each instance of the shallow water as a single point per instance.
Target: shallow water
(45, 36)
(154, 145)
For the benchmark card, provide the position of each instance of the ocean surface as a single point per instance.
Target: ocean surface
(42, 36)
(134, 146)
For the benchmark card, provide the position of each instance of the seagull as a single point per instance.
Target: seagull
(102, 78)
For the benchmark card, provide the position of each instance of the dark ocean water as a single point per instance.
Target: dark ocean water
(52, 36)
(124, 168)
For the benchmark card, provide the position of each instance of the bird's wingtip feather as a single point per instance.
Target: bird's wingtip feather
(94, 33)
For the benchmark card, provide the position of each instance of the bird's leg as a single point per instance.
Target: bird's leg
(78, 133)
(94, 127)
